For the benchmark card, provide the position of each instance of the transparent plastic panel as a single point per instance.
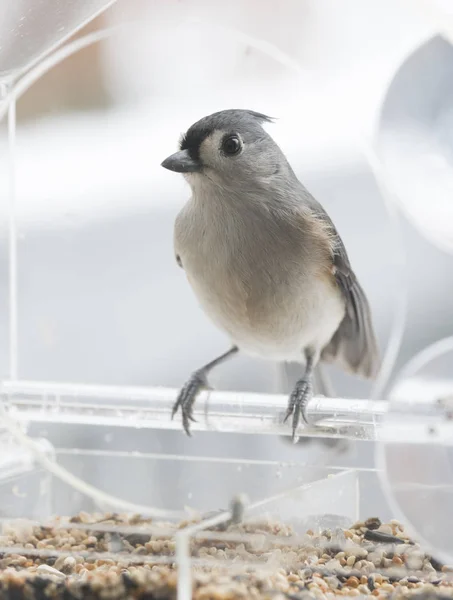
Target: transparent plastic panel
(255, 545)
(328, 502)
(413, 139)
(333, 552)
(314, 529)
(416, 454)
(31, 29)
(25, 486)
(96, 546)
(116, 501)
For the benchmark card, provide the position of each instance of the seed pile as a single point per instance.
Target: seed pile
(368, 559)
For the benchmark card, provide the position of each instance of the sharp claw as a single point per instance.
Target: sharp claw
(186, 422)
(187, 398)
(177, 404)
(303, 408)
(297, 406)
(290, 409)
(296, 417)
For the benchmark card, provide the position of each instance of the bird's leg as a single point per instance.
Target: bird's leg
(301, 394)
(189, 392)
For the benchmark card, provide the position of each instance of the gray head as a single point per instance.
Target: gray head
(227, 148)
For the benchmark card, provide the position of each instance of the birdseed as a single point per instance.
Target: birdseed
(260, 560)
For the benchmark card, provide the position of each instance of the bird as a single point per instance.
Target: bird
(265, 260)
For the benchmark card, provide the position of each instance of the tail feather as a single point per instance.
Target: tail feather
(353, 346)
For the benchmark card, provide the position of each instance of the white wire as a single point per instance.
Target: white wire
(99, 496)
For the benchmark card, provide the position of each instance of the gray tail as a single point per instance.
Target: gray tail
(354, 345)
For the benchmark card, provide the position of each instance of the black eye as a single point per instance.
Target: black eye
(231, 145)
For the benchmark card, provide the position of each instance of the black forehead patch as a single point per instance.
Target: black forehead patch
(226, 120)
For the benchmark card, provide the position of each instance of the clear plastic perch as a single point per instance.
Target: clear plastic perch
(151, 407)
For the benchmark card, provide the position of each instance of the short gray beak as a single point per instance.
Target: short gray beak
(181, 162)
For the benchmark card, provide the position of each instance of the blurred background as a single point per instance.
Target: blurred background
(101, 299)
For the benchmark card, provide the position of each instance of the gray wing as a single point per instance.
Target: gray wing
(354, 343)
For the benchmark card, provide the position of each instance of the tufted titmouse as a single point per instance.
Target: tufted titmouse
(264, 258)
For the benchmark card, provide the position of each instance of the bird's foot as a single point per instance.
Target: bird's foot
(297, 405)
(187, 396)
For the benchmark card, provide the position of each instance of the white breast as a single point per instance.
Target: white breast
(269, 307)
(308, 320)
